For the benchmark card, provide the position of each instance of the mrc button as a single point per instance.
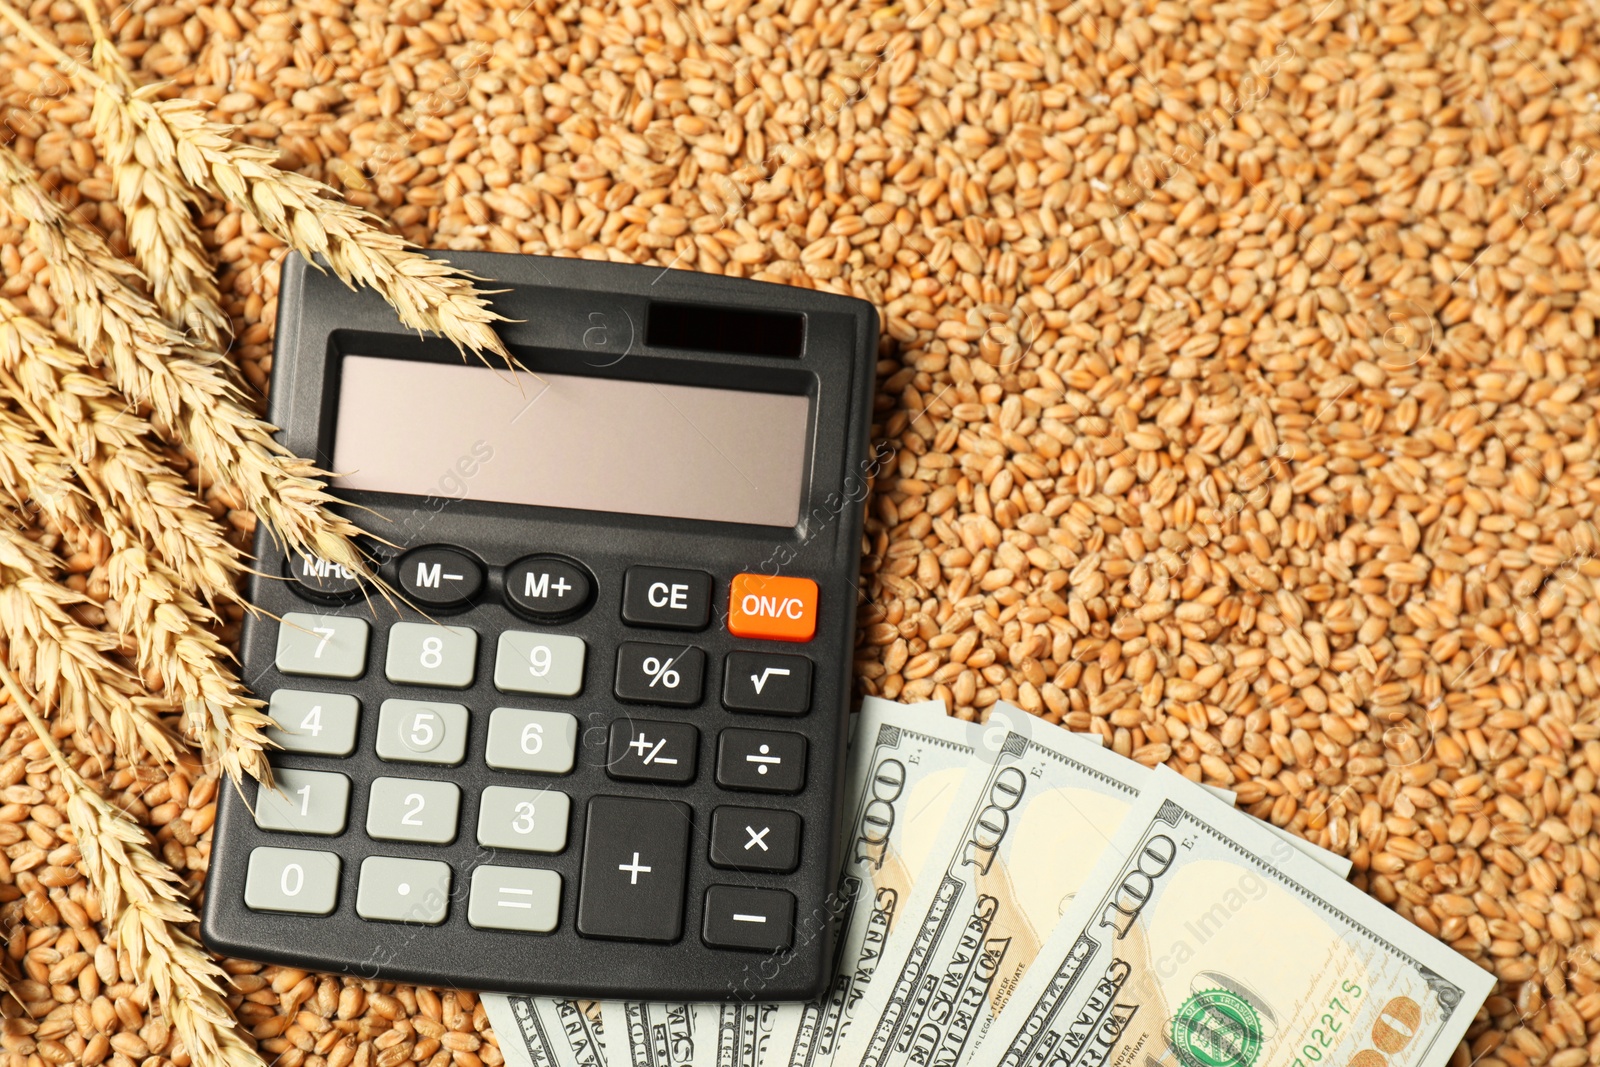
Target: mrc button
(319, 577)
(778, 609)
(545, 587)
(439, 576)
(666, 599)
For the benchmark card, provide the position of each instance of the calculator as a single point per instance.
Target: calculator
(591, 742)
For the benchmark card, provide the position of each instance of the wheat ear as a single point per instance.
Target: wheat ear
(66, 661)
(94, 429)
(427, 294)
(172, 630)
(142, 902)
(155, 203)
(187, 388)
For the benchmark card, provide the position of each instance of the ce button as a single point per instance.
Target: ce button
(664, 598)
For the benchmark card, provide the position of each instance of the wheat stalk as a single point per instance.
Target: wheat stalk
(426, 294)
(142, 902)
(186, 387)
(155, 203)
(67, 662)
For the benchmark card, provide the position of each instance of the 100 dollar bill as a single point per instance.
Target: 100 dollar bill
(653, 1033)
(1204, 940)
(545, 1032)
(1031, 822)
(906, 767)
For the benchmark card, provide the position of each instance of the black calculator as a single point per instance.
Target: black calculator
(592, 744)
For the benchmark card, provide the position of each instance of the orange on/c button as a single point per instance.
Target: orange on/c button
(777, 609)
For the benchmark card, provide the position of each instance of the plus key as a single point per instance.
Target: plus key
(634, 856)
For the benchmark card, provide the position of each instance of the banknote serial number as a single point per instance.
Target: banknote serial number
(1397, 1025)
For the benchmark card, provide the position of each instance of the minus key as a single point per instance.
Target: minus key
(757, 920)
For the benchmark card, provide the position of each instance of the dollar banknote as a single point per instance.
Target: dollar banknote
(654, 1034)
(1204, 940)
(907, 765)
(546, 1032)
(1035, 813)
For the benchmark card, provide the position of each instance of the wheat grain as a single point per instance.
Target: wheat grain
(67, 662)
(141, 900)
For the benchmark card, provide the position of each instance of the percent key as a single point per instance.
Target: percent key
(660, 674)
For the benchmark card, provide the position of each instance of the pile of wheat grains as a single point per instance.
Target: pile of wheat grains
(1238, 399)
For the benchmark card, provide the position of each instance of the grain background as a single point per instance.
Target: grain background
(1237, 400)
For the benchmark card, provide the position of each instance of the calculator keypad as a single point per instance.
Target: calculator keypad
(326, 646)
(528, 820)
(642, 750)
(532, 662)
(545, 742)
(422, 731)
(296, 880)
(305, 802)
(321, 724)
(410, 809)
(427, 654)
(635, 851)
(514, 898)
(660, 674)
(403, 891)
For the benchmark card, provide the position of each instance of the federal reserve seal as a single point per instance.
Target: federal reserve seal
(1216, 1028)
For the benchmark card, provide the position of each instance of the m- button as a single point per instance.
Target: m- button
(634, 856)
(666, 599)
(777, 609)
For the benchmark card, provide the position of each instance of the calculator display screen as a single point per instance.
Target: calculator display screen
(569, 441)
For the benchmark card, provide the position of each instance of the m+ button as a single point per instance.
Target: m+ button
(634, 856)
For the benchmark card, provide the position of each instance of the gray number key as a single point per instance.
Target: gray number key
(305, 802)
(421, 731)
(529, 662)
(403, 891)
(532, 820)
(425, 654)
(514, 898)
(408, 809)
(329, 646)
(323, 724)
(522, 740)
(292, 879)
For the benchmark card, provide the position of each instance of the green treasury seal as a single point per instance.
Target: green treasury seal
(1216, 1028)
